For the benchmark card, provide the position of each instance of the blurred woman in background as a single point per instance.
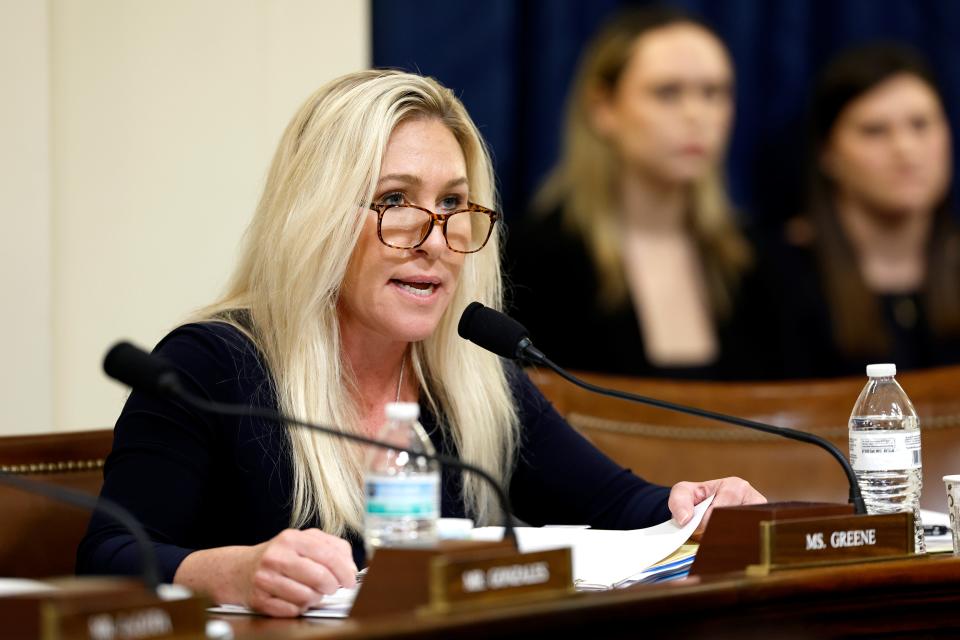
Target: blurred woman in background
(872, 272)
(631, 262)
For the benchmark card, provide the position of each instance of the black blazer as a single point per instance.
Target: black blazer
(552, 289)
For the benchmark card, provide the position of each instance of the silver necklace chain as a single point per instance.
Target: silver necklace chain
(403, 363)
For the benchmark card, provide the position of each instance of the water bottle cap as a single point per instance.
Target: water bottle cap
(886, 370)
(402, 411)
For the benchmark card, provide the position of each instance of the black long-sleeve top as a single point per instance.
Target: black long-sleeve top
(809, 346)
(198, 481)
(554, 284)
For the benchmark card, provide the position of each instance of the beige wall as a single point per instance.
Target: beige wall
(26, 369)
(163, 118)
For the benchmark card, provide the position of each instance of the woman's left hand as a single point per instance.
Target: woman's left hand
(728, 492)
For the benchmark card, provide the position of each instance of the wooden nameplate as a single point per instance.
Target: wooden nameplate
(459, 575)
(98, 608)
(766, 537)
(731, 541)
(812, 542)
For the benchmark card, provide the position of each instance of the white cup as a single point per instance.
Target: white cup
(953, 509)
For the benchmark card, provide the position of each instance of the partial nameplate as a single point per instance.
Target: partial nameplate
(460, 582)
(811, 542)
(89, 608)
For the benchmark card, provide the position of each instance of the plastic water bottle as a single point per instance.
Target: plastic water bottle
(402, 491)
(885, 448)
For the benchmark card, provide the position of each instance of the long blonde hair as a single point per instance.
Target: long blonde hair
(584, 181)
(288, 281)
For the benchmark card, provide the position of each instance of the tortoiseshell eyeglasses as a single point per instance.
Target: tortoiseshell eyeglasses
(407, 226)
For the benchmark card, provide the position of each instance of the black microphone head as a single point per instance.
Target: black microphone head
(140, 370)
(492, 330)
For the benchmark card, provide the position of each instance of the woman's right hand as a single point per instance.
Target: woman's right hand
(282, 577)
(291, 572)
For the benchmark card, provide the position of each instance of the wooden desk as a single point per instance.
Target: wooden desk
(919, 598)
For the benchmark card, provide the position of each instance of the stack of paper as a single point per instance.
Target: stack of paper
(673, 567)
(605, 559)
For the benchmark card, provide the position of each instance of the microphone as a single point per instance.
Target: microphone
(140, 370)
(148, 557)
(504, 336)
(143, 371)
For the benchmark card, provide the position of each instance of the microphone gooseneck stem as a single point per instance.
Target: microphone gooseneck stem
(211, 406)
(531, 354)
(148, 556)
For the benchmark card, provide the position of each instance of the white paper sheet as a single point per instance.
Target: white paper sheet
(601, 557)
(17, 586)
(937, 544)
(935, 517)
(336, 605)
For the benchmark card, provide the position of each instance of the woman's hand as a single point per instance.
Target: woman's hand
(281, 577)
(728, 492)
(293, 571)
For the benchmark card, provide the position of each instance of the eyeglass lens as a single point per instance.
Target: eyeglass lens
(406, 227)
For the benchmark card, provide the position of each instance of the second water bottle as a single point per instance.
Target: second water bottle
(885, 448)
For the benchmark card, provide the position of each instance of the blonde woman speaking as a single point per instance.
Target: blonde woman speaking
(374, 232)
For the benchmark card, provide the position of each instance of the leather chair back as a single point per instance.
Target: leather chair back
(667, 447)
(39, 536)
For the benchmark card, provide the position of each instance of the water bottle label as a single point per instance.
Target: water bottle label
(884, 450)
(414, 497)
